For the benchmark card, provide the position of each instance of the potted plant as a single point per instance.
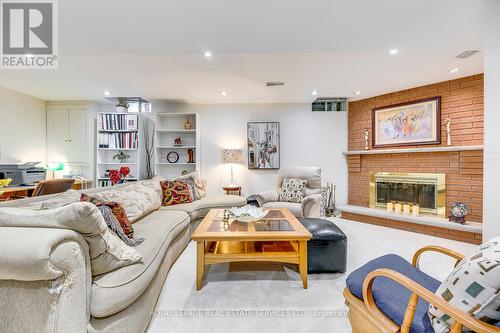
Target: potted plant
(122, 105)
(3, 183)
(121, 156)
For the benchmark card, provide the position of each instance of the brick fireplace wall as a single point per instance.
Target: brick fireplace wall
(462, 102)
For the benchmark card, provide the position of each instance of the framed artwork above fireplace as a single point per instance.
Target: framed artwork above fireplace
(411, 123)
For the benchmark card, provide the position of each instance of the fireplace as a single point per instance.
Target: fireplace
(424, 189)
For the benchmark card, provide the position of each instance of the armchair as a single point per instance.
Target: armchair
(390, 295)
(310, 205)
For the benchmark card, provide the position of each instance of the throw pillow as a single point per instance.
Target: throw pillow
(137, 198)
(201, 184)
(116, 227)
(107, 251)
(117, 210)
(193, 190)
(293, 190)
(175, 192)
(472, 287)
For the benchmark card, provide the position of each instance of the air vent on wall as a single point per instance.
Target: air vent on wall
(329, 104)
(274, 84)
(466, 54)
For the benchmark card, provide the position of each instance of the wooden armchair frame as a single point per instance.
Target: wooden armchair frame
(365, 316)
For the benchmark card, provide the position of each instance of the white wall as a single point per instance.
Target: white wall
(492, 123)
(22, 127)
(307, 139)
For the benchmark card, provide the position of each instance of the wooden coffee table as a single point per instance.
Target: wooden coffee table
(279, 237)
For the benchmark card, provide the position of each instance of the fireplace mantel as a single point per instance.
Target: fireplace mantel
(413, 150)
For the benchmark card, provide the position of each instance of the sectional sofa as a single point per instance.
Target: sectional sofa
(46, 283)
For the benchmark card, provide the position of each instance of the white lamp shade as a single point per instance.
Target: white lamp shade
(232, 155)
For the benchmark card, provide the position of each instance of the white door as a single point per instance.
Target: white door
(57, 135)
(78, 136)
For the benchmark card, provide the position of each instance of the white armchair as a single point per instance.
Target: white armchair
(310, 205)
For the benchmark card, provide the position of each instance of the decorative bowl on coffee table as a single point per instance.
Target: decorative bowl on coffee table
(248, 213)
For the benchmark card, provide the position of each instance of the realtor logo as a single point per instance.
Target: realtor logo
(29, 34)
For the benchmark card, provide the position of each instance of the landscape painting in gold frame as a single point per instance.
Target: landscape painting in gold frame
(404, 124)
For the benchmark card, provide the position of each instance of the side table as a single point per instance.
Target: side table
(235, 190)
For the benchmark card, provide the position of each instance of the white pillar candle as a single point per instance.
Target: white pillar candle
(390, 206)
(397, 208)
(416, 210)
(406, 209)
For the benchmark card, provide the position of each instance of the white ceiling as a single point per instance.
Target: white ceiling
(155, 49)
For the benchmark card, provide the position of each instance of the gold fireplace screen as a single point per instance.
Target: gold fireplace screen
(428, 190)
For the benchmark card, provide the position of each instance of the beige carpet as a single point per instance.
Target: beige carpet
(270, 298)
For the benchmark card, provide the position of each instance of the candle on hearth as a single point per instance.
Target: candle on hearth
(397, 208)
(390, 206)
(406, 209)
(416, 210)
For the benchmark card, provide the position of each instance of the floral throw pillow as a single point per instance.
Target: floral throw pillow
(117, 210)
(175, 192)
(293, 190)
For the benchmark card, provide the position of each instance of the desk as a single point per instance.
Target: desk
(17, 192)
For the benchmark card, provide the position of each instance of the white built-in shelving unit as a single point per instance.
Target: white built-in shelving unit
(117, 132)
(170, 126)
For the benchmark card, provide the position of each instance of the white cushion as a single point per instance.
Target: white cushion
(107, 251)
(114, 291)
(472, 287)
(138, 199)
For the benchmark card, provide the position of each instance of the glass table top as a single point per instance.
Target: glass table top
(274, 221)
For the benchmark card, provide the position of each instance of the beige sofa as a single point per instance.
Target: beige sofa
(46, 283)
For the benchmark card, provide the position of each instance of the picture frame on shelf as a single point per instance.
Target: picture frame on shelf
(411, 123)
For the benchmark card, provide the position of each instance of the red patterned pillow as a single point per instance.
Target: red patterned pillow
(118, 212)
(175, 192)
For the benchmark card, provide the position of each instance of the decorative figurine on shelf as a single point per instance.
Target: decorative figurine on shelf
(448, 130)
(366, 139)
(178, 141)
(190, 155)
(121, 156)
(458, 212)
(187, 124)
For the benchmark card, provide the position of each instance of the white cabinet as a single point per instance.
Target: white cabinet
(67, 135)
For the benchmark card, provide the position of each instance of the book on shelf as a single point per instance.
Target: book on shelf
(122, 140)
(118, 122)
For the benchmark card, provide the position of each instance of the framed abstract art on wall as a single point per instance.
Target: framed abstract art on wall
(412, 123)
(263, 145)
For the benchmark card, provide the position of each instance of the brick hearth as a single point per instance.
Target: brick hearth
(462, 102)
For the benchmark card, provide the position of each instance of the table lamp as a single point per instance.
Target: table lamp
(232, 156)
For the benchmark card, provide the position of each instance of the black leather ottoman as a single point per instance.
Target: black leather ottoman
(327, 249)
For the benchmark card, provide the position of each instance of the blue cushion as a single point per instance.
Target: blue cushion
(392, 298)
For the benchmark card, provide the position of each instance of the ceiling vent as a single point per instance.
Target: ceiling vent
(274, 84)
(467, 54)
(329, 104)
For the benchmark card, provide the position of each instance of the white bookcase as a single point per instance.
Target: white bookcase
(117, 132)
(170, 126)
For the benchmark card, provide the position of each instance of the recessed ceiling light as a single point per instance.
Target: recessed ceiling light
(357, 92)
(314, 92)
(107, 93)
(393, 51)
(453, 70)
(223, 93)
(207, 54)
